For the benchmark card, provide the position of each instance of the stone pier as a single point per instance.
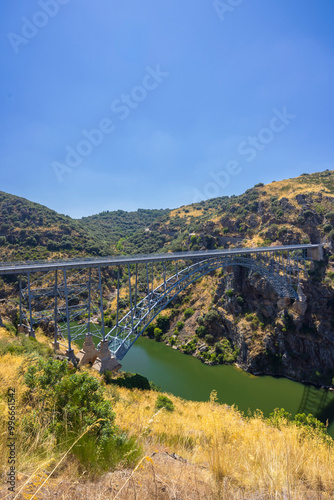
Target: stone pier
(88, 353)
(300, 305)
(105, 361)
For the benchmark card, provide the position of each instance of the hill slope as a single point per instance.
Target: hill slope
(175, 448)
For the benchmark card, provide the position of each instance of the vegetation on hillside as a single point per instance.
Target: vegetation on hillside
(290, 211)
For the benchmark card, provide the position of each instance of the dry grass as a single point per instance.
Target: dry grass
(289, 188)
(243, 456)
(182, 213)
(200, 450)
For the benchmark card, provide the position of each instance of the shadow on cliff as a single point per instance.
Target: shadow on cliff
(318, 402)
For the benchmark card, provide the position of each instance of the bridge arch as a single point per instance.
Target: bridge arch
(131, 326)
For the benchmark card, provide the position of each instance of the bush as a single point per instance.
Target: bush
(308, 423)
(163, 402)
(327, 228)
(71, 403)
(9, 327)
(163, 323)
(201, 331)
(157, 333)
(200, 320)
(23, 345)
(179, 325)
(209, 339)
(188, 312)
(211, 316)
(229, 293)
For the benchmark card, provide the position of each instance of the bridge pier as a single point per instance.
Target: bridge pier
(71, 356)
(56, 345)
(104, 361)
(88, 353)
(316, 253)
(300, 305)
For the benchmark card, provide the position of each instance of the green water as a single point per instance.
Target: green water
(188, 378)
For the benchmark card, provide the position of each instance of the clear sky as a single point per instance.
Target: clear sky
(130, 104)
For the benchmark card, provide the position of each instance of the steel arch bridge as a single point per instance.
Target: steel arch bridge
(122, 336)
(64, 291)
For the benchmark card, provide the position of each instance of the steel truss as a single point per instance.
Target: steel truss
(282, 272)
(69, 291)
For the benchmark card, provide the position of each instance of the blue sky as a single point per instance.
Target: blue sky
(112, 105)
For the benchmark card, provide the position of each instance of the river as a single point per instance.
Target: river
(188, 378)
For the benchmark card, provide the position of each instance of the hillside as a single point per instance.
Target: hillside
(158, 447)
(29, 231)
(229, 316)
(291, 211)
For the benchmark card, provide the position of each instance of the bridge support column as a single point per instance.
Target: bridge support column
(101, 305)
(300, 305)
(56, 346)
(55, 343)
(20, 292)
(316, 253)
(69, 352)
(104, 361)
(88, 353)
(31, 330)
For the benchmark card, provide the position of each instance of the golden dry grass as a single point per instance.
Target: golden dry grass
(289, 188)
(181, 212)
(200, 450)
(245, 454)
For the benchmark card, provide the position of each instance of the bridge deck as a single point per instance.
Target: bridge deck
(49, 265)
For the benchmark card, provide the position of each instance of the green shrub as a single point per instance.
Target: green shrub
(200, 320)
(163, 402)
(201, 331)
(179, 325)
(163, 323)
(308, 423)
(188, 312)
(209, 339)
(327, 228)
(229, 293)
(23, 345)
(211, 317)
(149, 331)
(157, 333)
(71, 403)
